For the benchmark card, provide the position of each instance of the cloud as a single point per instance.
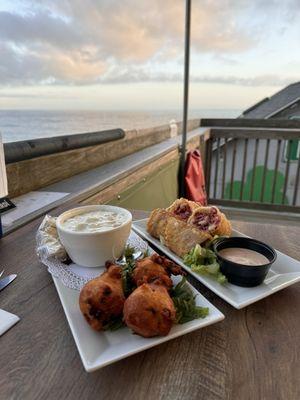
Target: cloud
(47, 67)
(134, 75)
(38, 96)
(40, 28)
(255, 81)
(84, 42)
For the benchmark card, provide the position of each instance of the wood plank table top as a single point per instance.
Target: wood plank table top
(253, 354)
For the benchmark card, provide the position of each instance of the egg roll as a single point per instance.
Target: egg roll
(157, 221)
(182, 208)
(181, 237)
(211, 220)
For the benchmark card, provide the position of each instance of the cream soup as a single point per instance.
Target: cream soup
(243, 256)
(95, 221)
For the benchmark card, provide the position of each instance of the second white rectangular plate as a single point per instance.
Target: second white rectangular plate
(284, 272)
(98, 349)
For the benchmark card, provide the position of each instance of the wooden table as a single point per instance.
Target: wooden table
(253, 354)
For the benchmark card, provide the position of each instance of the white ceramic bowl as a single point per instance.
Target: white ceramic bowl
(92, 249)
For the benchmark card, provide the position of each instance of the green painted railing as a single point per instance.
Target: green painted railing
(254, 167)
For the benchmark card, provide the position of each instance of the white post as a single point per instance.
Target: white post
(173, 128)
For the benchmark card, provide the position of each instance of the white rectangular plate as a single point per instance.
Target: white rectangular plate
(98, 349)
(284, 272)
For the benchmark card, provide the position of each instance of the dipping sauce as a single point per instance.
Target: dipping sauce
(243, 256)
(94, 221)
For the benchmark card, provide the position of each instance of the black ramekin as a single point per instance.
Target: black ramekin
(244, 275)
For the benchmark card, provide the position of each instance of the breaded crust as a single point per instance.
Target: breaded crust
(182, 208)
(102, 299)
(213, 221)
(157, 221)
(224, 228)
(147, 271)
(149, 310)
(181, 237)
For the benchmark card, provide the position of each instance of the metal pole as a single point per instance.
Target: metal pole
(185, 95)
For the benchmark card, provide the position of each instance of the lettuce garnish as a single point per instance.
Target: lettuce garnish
(203, 261)
(185, 304)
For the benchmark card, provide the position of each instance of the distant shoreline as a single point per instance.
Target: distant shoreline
(18, 125)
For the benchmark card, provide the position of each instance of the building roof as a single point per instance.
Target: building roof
(271, 105)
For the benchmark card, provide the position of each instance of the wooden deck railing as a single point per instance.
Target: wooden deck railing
(255, 168)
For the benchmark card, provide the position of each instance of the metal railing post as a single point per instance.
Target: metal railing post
(185, 95)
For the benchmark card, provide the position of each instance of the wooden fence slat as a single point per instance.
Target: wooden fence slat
(232, 167)
(254, 168)
(244, 169)
(262, 194)
(208, 158)
(224, 167)
(217, 167)
(287, 171)
(276, 170)
(296, 182)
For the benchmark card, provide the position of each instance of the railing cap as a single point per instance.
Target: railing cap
(27, 149)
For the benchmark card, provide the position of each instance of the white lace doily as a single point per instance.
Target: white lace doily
(71, 275)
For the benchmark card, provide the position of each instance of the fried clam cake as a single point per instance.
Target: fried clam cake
(211, 220)
(102, 299)
(155, 268)
(182, 208)
(181, 237)
(149, 311)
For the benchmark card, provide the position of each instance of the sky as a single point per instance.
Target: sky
(128, 54)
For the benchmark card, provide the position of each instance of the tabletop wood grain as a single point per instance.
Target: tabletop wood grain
(253, 354)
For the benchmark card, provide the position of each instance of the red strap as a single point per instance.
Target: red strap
(194, 178)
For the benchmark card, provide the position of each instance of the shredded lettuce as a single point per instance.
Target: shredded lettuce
(203, 261)
(127, 271)
(129, 251)
(114, 324)
(185, 304)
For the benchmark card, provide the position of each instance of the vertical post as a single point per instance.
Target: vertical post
(254, 168)
(208, 158)
(1, 230)
(224, 167)
(244, 169)
(185, 95)
(287, 170)
(276, 171)
(296, 183)
(217, 168)
(232, 167)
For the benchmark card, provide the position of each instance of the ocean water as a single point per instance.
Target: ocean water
(18, 125)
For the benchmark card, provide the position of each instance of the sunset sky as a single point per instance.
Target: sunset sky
(110, 55)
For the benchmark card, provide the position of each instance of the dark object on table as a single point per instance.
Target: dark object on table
(7, 280)
(241, 274)
(6, 204)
